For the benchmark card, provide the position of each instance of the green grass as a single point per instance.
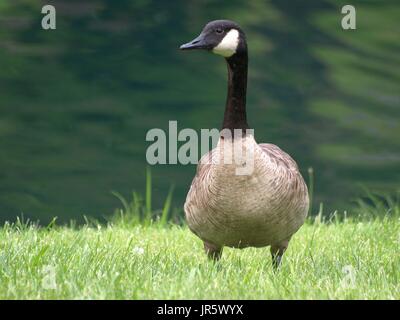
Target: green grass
(336, 259)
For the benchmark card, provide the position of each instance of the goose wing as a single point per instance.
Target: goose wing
(279, 156)
(203, 168)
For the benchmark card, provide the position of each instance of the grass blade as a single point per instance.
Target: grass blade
(167, 207)
(148, 196)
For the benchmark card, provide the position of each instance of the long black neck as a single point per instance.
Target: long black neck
(235, 109)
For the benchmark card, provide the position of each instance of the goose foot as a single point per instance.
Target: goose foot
(277, 251)
(213, 252)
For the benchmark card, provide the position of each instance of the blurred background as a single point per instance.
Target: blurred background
(76, 102)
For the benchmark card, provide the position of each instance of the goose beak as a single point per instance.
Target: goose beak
(198, 43)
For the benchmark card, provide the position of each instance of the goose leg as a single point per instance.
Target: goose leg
(277, 251)
(213, 252)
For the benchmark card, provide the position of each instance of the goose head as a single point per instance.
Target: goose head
(222, 37)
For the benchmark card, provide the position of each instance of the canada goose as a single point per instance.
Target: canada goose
(264, 208)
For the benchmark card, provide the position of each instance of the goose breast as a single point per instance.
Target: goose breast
(258, 209)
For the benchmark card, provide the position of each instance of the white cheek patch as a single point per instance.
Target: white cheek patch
(227, 47)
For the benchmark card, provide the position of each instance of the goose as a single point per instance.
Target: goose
(223, 208)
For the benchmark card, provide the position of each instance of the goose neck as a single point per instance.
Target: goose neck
(235, 109)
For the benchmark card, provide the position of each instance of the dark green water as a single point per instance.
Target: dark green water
(76, 102)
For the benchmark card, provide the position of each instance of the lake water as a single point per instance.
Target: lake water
(76, 102)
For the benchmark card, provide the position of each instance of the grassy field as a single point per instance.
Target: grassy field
(336, 259)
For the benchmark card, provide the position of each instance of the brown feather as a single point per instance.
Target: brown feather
(264, 208)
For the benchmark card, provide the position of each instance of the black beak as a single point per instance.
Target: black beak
(198, 43)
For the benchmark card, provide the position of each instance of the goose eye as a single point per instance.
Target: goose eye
(219, 31)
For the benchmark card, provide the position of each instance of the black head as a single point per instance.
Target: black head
(223, 37)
